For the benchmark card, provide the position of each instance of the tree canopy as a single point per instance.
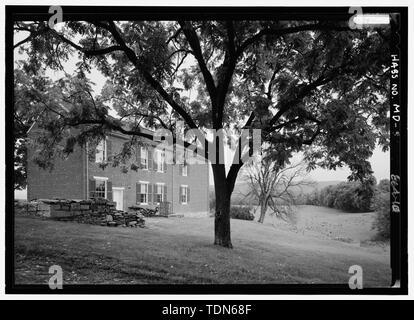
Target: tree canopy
(317, 87)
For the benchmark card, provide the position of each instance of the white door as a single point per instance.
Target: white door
(118, 197)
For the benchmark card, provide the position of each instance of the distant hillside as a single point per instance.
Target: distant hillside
(242, 188)
(322, 184)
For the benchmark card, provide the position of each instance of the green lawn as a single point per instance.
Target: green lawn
(180, 250)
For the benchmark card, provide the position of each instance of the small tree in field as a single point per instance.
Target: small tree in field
(275, 186)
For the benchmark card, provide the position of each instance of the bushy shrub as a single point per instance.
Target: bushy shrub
(300, 199)
(328, 195)
(384, 186)
(344, 197)
(242, 213)
(382, 223)
(313, 198)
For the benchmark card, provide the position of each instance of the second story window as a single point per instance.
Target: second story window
(183, 169)
(160, 160)
(144, 158)
(100, 155)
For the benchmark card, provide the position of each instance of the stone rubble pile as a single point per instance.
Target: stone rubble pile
(32, 208)
(146, 212)
(96, 211)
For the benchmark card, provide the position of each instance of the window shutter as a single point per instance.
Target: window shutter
(165, 192)
(109, 191)
(92, 188)
(188, 170)
(138, 155)
(154, 160)
(150, 159)
(180, 170)
(165, 161)
(108, 150)
(188, 194)
(179, 194)
(138, 193)
(156, 155)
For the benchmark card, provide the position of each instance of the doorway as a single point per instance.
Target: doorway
(118, 197)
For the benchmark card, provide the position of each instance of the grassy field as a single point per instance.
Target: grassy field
(327, 223)
(180, 250)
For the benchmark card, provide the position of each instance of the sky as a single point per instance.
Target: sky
(380, 161)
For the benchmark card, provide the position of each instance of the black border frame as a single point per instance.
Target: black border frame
(398, 165)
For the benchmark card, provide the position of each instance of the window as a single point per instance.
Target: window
(100, 188)
(100, 155)
(184, 194)
(143, 199)
(144, 158)
(160, 160)
(159, 192)
(185, 170)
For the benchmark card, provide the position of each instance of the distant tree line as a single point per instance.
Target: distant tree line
(356, 197)
(351, 196)
(382, 207)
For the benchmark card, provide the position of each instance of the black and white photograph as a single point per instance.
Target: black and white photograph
(208, 149)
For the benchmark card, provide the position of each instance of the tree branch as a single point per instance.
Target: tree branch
(194, 42)
(87, 52)
(231, 36)
(269, 87)
(147, 76)
(280, 32)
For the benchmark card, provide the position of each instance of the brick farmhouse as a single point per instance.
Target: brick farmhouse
(185, 187)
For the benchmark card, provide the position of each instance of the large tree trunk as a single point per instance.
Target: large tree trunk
(222, 219)
(222, 215)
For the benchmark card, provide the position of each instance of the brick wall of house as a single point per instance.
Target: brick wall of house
(197, 181)
(66, 180)
(71, 178)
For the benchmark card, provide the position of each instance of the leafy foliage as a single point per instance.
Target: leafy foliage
(317, 87)
(346, 196)
(382, 222)
(28, 87)
(296, 81)
(241, 212)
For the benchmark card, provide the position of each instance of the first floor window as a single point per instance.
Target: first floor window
(184, 194)
(159, 193)
(100, 188)
(143, 196)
